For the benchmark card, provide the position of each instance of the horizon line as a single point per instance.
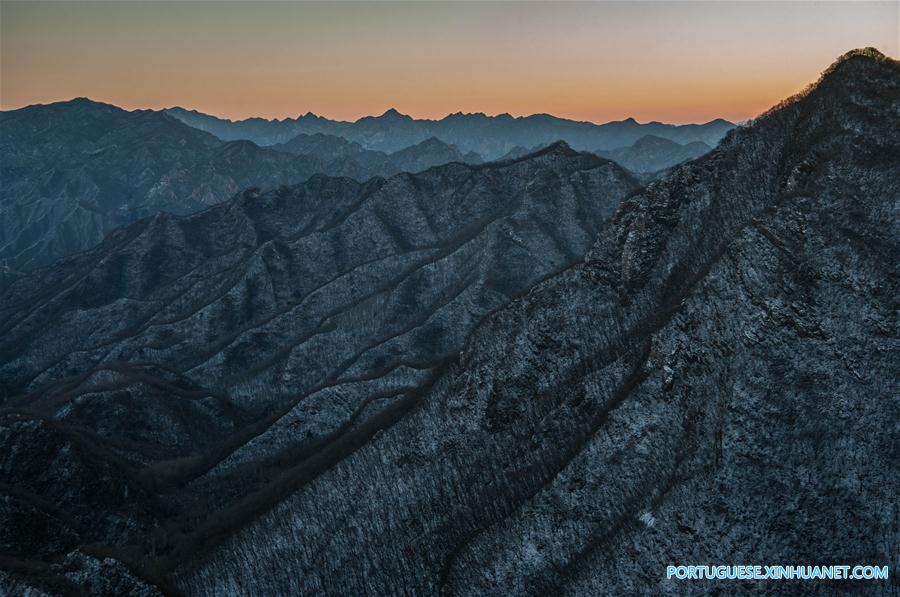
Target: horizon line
(400, 113)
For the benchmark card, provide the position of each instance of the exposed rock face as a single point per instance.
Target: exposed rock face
(489, 136)
(707, 377)
(651, 154)
(282, 323)
(715, 383)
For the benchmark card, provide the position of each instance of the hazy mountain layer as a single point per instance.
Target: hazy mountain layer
(73, 171)
(652, 154)
(342, 156)
(648, 158)
(491, 137)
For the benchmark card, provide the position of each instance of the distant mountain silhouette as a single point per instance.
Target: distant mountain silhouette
(517, 152)
(343, 156)
(647, 158)
(72, 171)
(322, 145)
(428, 153)
(651, 153)
(489, 136)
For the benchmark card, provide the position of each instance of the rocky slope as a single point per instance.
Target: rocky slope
(489, 136)
(715, 383)
(652, 154)
(205, 356)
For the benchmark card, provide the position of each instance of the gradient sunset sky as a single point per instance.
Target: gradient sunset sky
(599, 61)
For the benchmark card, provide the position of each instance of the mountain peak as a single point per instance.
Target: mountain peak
(654, 141)
(394, 113)
(558, 148)
(859, 68)
(854, 63)
(868, 53)
(82, 105)
(86, 102)
(432, 142)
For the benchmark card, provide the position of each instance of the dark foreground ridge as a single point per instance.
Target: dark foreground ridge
(714, 382)
(218, 361)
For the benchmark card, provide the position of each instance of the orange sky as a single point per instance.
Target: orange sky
(600, 61)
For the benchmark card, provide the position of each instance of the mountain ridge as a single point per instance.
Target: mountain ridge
(352, 294)
(489, 136)
(74, 170)
(651, 154)
(654, 403)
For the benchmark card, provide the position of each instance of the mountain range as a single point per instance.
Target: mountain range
(73, 171)
(491, 137)
(648, 158)
(530, 376)
(305, 313)
(338, 153)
